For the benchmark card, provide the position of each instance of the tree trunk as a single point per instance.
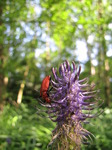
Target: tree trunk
(103, 65)
(106, 69)
(2, 86)
(89, 52)
(22, 85)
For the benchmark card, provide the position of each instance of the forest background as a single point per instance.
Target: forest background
(36, 35)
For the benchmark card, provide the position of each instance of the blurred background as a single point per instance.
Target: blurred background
(36, 35)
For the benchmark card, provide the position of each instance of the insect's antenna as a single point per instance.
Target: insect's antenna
(37, 91)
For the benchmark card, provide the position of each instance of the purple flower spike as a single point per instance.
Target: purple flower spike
(72, 101)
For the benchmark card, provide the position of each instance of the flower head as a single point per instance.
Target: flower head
(71, 103)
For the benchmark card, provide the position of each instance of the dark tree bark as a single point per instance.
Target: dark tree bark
(103, 65)
(2, 86)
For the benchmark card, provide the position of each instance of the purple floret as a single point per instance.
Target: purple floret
(72, 101)
(68, 95)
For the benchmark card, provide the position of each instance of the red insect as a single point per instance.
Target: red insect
(44, 89)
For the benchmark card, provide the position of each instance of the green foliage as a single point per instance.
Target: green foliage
(101, 128)
(21, 128)
(38, 35)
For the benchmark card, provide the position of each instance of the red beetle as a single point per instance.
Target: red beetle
(44, 89)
